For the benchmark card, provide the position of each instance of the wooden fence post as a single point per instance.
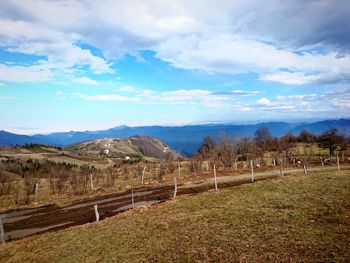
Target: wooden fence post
(91, 183)
(305, 169)
(143, 174)
(206, 162)
(175, 186)
(96, 213)
(179, 168)
(274, 162)
(132, 198)
(281, 168)
(252, 169)
(338, 164)
(2, 232)
(322, 164)
(215, 180)
(36, 193)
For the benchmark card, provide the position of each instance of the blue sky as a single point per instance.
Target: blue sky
(108, 63)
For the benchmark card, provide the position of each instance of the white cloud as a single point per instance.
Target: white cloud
(130, 89)
(84, 81)
(228, 54)
(22, 74)
(229, 37)
(295, 78)
(264, 101)
(108, 98)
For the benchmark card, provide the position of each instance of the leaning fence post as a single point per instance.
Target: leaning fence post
(132, 198)
(36, 192)
(215, 181)
(305, 169)
(175, 186)
(91, 183)
(2, 232)
(143, 174)
(96, 213)
(252, 169)
(338, 164)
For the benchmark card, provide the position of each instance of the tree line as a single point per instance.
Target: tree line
(227, 151)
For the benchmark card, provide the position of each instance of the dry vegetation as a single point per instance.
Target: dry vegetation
(65, 176)
(293, 219)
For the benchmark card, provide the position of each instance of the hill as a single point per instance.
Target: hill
(183, 139)
(294, 219)
(135, 146)
(7, 138)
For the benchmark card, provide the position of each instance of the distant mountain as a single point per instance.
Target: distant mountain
(7, 138)
(135, 146)
(184, 139)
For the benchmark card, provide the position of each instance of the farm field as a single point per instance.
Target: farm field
(301, 218)
(64, 177)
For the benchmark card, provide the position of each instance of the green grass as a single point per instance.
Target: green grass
(292, 219)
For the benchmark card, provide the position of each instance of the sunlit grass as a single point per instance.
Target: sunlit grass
(296, 218)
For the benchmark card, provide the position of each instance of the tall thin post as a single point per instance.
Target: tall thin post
(91, 183)
(215, 180)
(338, 164)
(175, 186)
(252, 169)
(281, 168)
(322, 164)
(206, 162)
(274, 162)
(97, 215)
(132, 198)
(305, 169)
(2, 232)
(143, 174)
(179, 168)
(236, 164)
(36, 193)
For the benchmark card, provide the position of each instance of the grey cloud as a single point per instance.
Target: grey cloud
(301, 23)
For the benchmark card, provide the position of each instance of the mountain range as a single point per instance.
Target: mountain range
(184, 139)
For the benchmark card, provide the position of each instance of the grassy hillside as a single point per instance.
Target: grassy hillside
(135, 146)
(297, 218)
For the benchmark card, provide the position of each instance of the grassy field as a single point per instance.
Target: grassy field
(292, 219)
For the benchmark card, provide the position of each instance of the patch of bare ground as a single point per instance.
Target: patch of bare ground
(294, 219)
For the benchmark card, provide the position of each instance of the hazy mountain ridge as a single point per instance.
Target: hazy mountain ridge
(184, 139)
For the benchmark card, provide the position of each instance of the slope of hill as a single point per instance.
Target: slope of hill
(7, 138)
(184, 139)
(135, 146)
(292, 219)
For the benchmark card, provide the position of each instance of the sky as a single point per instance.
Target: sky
(91, 65)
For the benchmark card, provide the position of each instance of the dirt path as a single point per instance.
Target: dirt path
(26, 222)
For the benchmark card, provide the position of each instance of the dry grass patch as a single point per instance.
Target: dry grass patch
(293, 219)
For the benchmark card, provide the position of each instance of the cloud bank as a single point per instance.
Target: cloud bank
(294, 42)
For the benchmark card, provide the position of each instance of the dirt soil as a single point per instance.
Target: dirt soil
(20, 223)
